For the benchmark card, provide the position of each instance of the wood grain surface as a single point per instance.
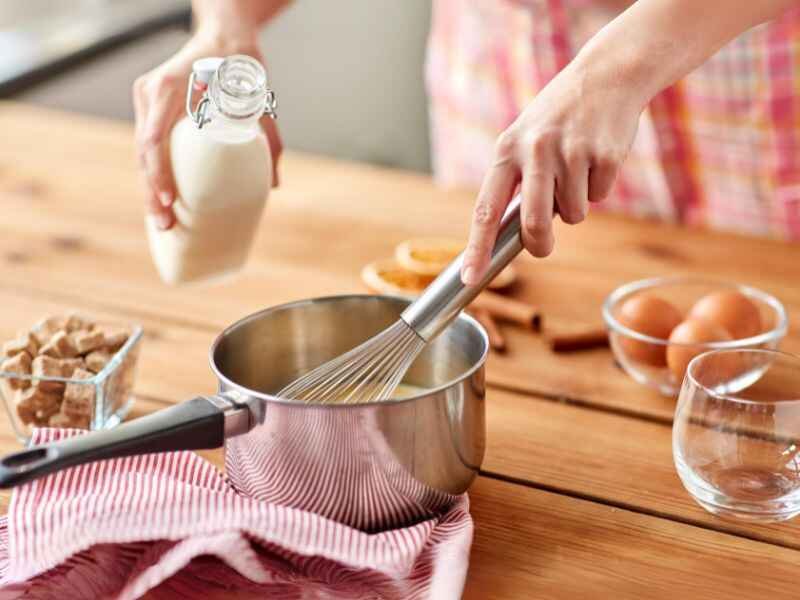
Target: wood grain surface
(578, 498)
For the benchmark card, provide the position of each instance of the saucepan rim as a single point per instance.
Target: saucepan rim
(308, 301)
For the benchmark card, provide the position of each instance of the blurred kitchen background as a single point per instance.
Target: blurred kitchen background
(349, 75)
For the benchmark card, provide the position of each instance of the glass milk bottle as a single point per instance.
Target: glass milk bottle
(223, 172)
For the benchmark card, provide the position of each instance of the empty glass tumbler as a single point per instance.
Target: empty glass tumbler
(736, 434)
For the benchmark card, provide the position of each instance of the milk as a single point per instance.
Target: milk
(223, 174)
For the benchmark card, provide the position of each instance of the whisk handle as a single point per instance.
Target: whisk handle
(446, 296)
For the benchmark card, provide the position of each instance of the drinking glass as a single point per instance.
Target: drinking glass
(736, 434)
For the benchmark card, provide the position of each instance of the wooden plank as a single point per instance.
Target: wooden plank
(590, 454)
(534, 544)
(327, 220)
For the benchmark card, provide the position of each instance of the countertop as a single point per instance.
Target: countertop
(578, 496)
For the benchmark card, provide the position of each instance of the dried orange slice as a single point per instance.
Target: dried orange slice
(427, 256)
(388, 277)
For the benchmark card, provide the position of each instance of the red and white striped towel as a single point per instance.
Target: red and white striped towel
(173, 525)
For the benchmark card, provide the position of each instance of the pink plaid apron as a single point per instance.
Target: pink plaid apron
(720, 148)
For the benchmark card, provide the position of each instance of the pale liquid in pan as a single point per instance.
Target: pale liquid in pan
(406, 390)
(403, 391)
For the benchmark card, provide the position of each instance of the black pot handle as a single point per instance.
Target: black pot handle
(196, 424)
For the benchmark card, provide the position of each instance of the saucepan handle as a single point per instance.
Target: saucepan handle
(200, 423)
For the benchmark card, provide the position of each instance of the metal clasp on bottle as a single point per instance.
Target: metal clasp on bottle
(198, 114)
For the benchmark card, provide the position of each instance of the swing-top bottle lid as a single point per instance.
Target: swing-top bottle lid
(204, 68)
(235, 87)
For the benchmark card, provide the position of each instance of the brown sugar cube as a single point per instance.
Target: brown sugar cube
(75, 322)
(86, 341)
(20, 363)
(23, 398)
(68, 365)
(46, 366)
(43, 415)
(14, 347)
(81, 373)
(114, 339)
(77, 408)
(59, 346)
(26, 414)
(59, 420)
(97, 360)
(40, 400)
(78, 397)
(44, 404)
(41, 419)
(62, 420)
(24, 343)
(45, 328)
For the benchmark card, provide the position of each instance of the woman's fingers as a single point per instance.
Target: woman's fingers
(572, 183)
(162, 113)
(164, 216)
(602, 175)
(536, 209)
(496, 191)
(275, 145)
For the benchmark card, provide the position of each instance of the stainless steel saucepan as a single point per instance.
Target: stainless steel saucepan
(370, 466)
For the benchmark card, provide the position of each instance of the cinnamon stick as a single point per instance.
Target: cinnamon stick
(503, 308)
(573, 341)
(484, 317)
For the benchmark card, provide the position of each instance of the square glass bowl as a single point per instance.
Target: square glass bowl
(683, 292)
(109, 392)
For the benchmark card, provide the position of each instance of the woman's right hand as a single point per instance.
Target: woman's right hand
(562, 152)
(158, 101)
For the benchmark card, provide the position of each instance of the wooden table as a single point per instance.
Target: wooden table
(578, 497)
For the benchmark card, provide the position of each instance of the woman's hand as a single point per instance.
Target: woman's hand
(158, 100)
(563, 151)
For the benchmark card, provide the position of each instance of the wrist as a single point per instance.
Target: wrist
(229, 37)
(605, 64)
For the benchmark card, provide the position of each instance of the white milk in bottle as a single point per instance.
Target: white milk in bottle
(223, 172)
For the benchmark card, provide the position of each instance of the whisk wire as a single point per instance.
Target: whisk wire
(353, 371)
(369, 372)
(378, 372)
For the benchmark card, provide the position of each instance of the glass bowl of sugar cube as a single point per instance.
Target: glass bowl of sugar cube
(69, 371)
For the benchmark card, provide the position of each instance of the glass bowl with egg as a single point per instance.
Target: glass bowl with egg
(657, 326)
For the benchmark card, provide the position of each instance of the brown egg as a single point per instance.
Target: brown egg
(732, 310)
(691, 331)
(651, 316)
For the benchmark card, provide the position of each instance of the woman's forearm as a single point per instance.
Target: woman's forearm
(234, 22)
(656, 42)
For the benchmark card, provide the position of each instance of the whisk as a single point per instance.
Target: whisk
(372, 371)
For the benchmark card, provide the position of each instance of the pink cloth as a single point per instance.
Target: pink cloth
(119, 528)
